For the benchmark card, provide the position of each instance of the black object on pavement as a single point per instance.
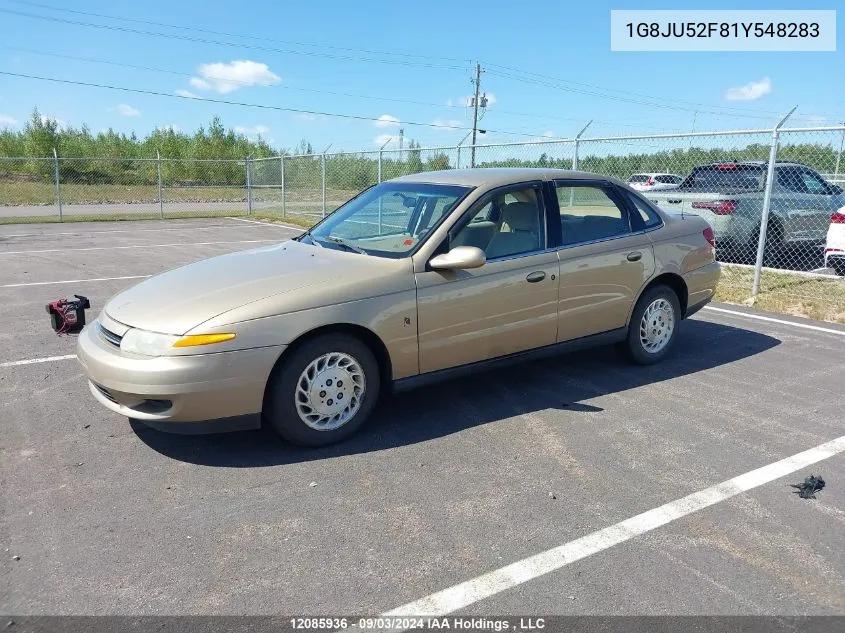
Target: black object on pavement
(809, 488)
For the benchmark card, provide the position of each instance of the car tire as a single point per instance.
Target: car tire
(654, 326)
(775, 249)
(323, 392)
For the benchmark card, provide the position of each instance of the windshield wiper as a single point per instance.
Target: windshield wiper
(344, 243)
(310, 237)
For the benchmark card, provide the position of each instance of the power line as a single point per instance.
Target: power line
(523, 75)
(240, 103)
(226, 34)
(123, 29)
(627, 92)
(109, 62)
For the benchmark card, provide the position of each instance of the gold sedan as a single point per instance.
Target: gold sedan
(416, 279)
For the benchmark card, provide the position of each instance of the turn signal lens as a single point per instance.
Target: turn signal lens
(192, 340)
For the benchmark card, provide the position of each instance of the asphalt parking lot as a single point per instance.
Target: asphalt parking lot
(444, 485)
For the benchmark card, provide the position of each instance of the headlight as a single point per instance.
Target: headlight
(147, 343)
(154, 344)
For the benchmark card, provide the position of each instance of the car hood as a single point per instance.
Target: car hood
(179, 300)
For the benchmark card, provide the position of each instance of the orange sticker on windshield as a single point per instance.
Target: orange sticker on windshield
(408, 242)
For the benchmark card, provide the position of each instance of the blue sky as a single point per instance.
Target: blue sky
(398, 61)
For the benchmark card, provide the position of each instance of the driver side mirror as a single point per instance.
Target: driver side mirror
(459, 258)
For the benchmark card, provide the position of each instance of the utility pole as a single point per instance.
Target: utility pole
(401, 141)
(475, 110)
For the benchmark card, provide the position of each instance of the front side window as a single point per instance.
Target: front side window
(588, 213)
(505, 224)
(814, 184)
(388, 220)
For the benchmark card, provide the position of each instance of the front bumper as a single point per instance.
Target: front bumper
(176, 389)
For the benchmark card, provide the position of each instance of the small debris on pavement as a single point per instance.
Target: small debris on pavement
(313, 484)
(552, 495)
(810, 487)
(87, 426)
(16, 557)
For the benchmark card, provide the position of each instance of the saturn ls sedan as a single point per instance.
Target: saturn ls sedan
(415, 279)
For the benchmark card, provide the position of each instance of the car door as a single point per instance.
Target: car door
(606, 257)
(507, 305)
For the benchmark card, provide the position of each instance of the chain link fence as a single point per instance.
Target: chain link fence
(772, 196)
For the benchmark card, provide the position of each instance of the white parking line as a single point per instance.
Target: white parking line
(185, 227)
(32, 361)
(281, 226)
(489, 584)
(72, 281)
(113, 248)
(804, 326)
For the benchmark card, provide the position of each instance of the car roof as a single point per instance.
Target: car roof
(496, 176)
(755, 163)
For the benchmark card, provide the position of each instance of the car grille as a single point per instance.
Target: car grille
(108, 336)
(106, 393)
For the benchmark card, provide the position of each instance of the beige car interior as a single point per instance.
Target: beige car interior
(518, 229)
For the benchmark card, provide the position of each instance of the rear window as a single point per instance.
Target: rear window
(668, 180)
(638, 178)
(726, 177)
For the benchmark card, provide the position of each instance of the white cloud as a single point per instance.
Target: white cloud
(306, 117)
(548, 134)
(127, 110)
(447, 125)
(381, 139)
(225, 78)
(255, 130)
(387, 120)
(750, 91)
(60, 123)
(186, 93)
(7, 121)
(449, 103)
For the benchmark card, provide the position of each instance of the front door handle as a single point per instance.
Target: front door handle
(635, 256)
(536, 276)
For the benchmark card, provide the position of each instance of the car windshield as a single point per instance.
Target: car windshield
(388, 220)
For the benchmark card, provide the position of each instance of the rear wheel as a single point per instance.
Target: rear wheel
(654, 326)
(324, 392)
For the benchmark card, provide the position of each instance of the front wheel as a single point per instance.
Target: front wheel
(324, 392)
(654, 326)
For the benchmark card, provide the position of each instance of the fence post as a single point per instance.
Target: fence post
(248, 187)
(282, 174)
(577, 142)
(575, 160)
(839, 153)
(160, 198)
(323, 162)
(58, 186)
(767, 202)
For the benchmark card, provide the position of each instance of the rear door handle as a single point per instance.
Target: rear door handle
(635, 256)
(536, 276)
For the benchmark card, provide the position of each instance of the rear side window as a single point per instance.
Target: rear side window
(638, 178)
(649, 215)
(588, 213)
(727, 176)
